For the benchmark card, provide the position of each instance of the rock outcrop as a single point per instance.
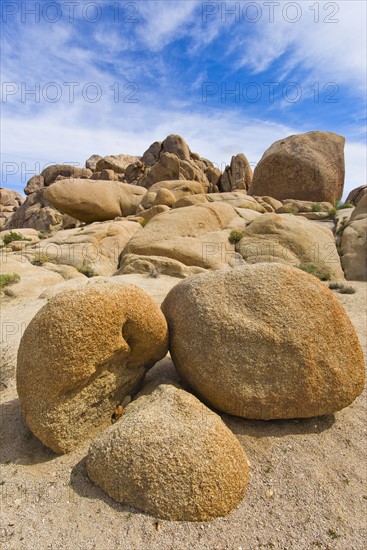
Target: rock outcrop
(356, 195)
(172, 160)
(306, 167)
(266, 341)
(354, 243)
(172, 457)
(36, 213)
(183, 241)
(292, 240)
(97, 246)
(236, 176)
(10, 201)
(83, 353)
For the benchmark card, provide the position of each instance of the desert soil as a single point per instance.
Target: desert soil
(307, 487)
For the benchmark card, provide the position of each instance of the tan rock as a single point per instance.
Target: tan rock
(90, 201)
(274, 348)
(34, 184)
(195, 236)
(306, 167)
(36, 213)
(178, 188)
(172, 457)
(354, 243)
(290, 239)
(91, 163)
(238, 199)
(68, 386)
(236, 176)
(153, 211)
(165, 197)
(356, 195)
(117, 163)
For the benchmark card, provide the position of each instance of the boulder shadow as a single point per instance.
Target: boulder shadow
(278, 428)
(84, 487)
(18, 444)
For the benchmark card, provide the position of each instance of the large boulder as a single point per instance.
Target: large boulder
(36, 213)
(172, 457)
(183, 241)
(236, 176)
(293, 240)
(91, 201)
(83, 353)
(266, 341)
(306, 166)
(97, 246)
(178, 188)
(354, 243)
(34, 184)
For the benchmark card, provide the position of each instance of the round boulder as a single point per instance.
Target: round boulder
(172, 457)
(265, 341)
(81, 355)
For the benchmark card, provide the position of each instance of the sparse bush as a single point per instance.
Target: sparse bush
(339, 205)
(347, 290)
(13, 236)
(143, 223)
(39, 260)
(342, 289)
(8, 279)
(87, 270)
(315, 270)
(153, 273)
(343, 225)
(235, 236)
(332, 211)
(316, 207)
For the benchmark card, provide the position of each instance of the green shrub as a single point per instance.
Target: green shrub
(143, 223)
(87, 270)
(335, 286)
(315, 270)
(39, 260)
(316, 207)
(13, 236)
(8, 279)
(340, 205)
(235, 236)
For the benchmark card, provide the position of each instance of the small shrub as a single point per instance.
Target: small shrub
(332, 211)
(316, 207)
(143, 223)
(87, 270)
(315, 270)
(8, 279)
(235, 236)
(342, 289)
(340, 205)
(343, 225)
(335, 286)
(39, 260)
(347, 290)
(13, 236)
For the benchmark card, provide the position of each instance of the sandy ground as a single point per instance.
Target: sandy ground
(307, 487)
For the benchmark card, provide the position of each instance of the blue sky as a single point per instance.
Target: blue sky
(112, 77)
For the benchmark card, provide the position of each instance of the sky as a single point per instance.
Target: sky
(109, 77)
